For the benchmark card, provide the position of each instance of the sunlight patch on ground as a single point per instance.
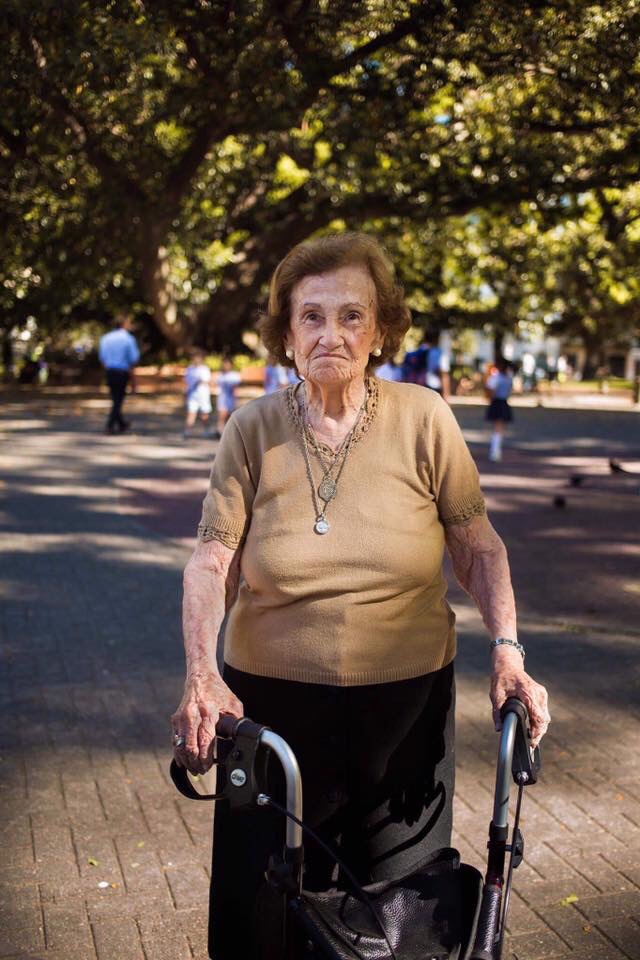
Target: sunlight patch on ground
(476, 436)
(599, 465)
(116, 507)
(20, 543)
(612, 549)
(510, 481)
(26, 424)
(164, 488)
(70, 490)
(164, 452)
(122, 548)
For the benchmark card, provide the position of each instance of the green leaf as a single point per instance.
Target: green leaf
(567, 901)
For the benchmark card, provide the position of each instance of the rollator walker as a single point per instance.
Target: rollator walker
(441, 910)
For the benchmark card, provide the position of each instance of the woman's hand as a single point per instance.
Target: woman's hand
(206, 696)
(509, 679)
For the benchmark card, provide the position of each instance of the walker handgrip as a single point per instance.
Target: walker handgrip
(525, 764)
(515, 705)
(227, 726)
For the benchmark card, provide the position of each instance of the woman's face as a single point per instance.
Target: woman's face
(333, 327)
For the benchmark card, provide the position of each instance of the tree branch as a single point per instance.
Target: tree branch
(187, 166)
(86, 137)
(319, 69)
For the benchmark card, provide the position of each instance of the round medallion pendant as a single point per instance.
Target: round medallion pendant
(327, 489)
(321, 526)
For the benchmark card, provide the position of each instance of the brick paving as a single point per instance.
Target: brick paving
(102, 860)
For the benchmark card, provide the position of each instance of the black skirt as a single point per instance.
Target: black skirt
(378, 769)
(499, 410)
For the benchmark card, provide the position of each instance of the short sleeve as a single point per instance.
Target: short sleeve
(455, 483)
(226, 510)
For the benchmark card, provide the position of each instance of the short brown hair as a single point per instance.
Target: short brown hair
(321, 256)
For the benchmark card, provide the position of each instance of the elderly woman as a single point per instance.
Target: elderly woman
(324, 528)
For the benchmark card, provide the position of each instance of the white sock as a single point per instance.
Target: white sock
(495, 450)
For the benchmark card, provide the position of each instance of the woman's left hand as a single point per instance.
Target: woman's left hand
(509, 679)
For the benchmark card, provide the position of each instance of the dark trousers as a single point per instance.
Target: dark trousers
(117, 381)
(378, 768)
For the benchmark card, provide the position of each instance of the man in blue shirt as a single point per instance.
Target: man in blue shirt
(429, 365)
(118, 354)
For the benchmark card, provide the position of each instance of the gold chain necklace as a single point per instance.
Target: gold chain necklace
(328, 486)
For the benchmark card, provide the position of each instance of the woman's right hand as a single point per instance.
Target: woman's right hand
(206, 696)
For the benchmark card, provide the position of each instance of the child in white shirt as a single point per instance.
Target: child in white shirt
(197, 378)
(227, 380)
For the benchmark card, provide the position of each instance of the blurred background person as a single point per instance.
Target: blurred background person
(429, 365)
(498, 387)
(197, 378)
(228, 379)
(390, 371)
(276, 377)
(528, 368)
(118, 354)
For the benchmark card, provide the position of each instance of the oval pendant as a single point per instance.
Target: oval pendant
(321, 525)
(327, 489)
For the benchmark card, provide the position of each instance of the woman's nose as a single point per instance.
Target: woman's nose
(331, 333)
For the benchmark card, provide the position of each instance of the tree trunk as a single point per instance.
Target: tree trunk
(498, 340)
(231, 310)
(7, 355)
(594, 359)
(235, 305)
(159, 290)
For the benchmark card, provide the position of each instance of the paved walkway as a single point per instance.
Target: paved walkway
(102, 859)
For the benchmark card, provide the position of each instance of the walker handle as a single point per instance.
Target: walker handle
(243, 757)
(245, 764)
(525, 762)
(227, 726)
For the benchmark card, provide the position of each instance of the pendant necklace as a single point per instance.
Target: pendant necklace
(328, 487)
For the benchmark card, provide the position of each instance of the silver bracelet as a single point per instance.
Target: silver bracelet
(509, 643)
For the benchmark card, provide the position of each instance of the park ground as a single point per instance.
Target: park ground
(102, 860)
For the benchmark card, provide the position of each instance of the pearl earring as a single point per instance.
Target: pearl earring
(377, 352)
(289, 354)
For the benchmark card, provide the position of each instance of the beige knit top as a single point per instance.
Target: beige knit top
(365, 602)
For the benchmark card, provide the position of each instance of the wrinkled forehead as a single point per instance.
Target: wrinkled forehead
(337, 288)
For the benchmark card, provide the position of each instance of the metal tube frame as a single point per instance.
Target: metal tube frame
(293, 782)
(503, 770)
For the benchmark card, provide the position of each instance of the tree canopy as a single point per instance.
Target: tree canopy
(162, 157)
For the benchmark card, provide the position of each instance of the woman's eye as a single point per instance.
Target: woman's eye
(310, 317)
(351, 317)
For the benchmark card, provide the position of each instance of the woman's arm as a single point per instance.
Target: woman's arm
(481, 567)
(210, 585)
